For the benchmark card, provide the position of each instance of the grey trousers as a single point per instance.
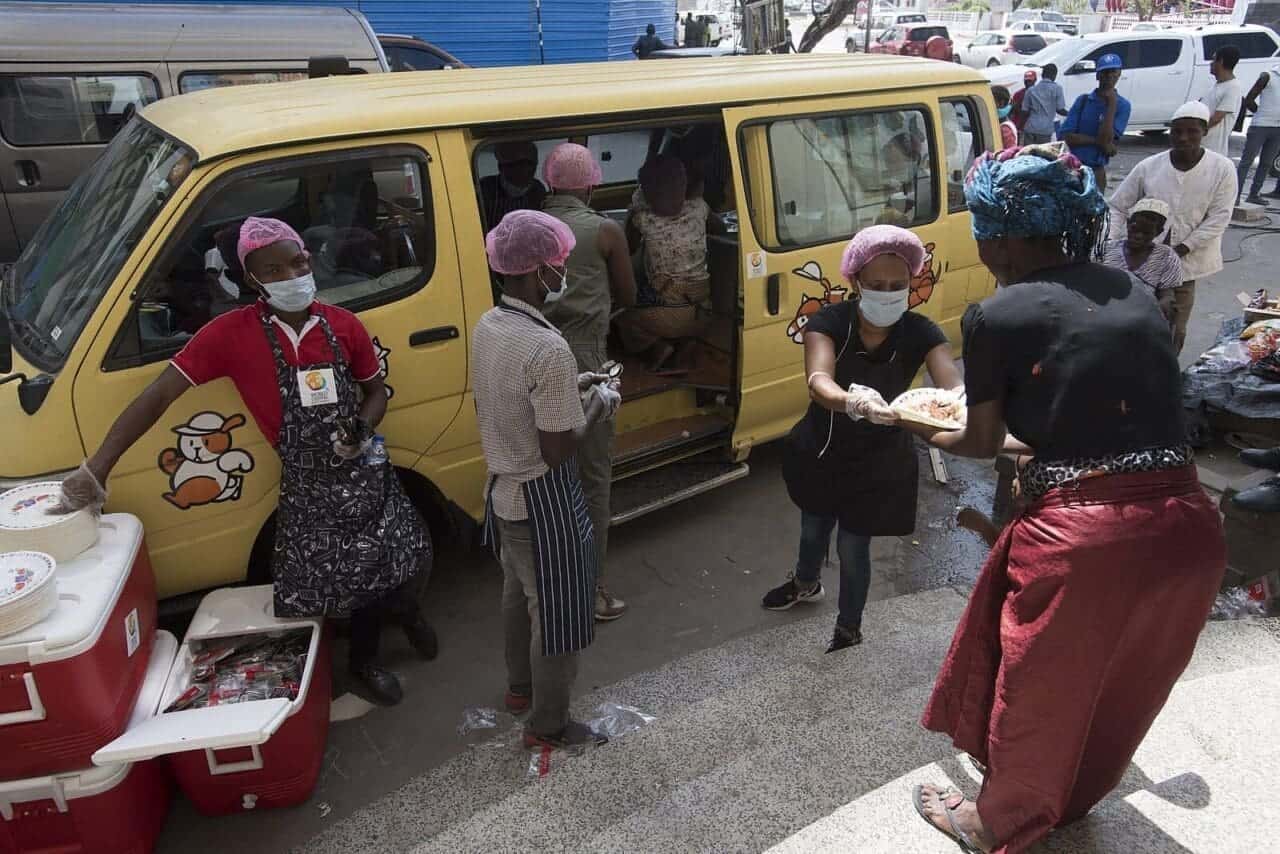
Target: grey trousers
(595, 464)
(550, 678)
(1029, 138)
(1184, 300)
(1260, 139)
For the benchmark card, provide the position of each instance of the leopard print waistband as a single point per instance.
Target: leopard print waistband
(1039, 477)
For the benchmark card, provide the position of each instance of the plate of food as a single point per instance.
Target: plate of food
(933, 407)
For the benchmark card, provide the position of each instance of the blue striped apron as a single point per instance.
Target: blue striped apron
(564, 551)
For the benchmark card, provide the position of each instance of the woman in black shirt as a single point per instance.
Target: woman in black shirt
(859, 472)
(1089, 607)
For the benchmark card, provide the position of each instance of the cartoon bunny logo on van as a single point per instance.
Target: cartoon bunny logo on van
(204, 469)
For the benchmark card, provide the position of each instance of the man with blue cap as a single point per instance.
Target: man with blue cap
(1097, 120)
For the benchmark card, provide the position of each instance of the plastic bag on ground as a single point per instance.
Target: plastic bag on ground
(1236, 604)
(477, 717)
(616, 720)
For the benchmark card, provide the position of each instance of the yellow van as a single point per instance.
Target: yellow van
(382, 176)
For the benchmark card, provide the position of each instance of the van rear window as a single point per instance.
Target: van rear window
(61, 109)
(923, 34)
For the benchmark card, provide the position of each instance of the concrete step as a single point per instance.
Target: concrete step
(755, 740)
(1211, 752)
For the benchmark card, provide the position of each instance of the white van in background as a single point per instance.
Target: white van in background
(72, 74)
(1162, 70)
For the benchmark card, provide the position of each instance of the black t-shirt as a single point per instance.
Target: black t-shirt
(1082, 358)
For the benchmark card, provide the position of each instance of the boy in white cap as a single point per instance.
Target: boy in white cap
(1155, 264)
(1199, 186)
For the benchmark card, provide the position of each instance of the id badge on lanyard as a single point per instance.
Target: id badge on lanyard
(317, 387)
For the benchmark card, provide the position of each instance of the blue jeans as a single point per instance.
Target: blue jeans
(855, 563)
(1264, 140)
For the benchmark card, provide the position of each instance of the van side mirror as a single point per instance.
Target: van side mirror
(1084, 66)
(327, 66)
(32, 392)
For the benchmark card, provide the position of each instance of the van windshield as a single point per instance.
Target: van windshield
(64, 271)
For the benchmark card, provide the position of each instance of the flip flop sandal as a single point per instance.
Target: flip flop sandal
(958, 836)
(1248, 441)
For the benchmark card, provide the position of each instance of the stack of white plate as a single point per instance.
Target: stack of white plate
(26, 524)
(28, 592)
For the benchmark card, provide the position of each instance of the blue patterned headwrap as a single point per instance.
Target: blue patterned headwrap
(1037, 191)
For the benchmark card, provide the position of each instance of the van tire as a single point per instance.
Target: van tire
(1154, 134)
(442, 527)
(992, 63)
(850, 46)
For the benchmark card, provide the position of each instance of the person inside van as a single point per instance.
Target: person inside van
(516, 186)
(859, 473)
(348, 540)
(600, 280)
(668, 224)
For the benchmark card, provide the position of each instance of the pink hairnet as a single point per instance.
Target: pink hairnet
(525, 240)
(571, 166)
(882, 240)
(257, 232)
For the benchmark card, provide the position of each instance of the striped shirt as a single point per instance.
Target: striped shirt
(525, 379)
(1162, 269)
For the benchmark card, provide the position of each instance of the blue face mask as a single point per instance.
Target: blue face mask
(1003, 112)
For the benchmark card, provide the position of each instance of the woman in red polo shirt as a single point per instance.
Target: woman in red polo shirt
(348, 541)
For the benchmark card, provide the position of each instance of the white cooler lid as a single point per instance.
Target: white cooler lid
(95, 780)
(88, 588)
(210, 728)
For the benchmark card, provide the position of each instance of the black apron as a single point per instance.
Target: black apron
(564, 550)
(864, 474)
(346, 533)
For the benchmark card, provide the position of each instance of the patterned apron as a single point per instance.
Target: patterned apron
(564, 551)
(346, 533)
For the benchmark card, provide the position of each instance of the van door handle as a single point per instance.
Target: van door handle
(773, 293)
(28, 173)
(433, 336)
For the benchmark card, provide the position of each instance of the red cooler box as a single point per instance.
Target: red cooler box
(243, 755)
(68, 683)
(116, 809)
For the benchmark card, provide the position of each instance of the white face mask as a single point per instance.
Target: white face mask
(291, 294)
(883, 308)
(554, 296)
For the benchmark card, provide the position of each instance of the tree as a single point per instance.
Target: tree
(826, 21)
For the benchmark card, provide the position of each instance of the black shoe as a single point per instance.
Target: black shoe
(1255, 199)
(376, 685)
(422, 638)
(1260, 459)
(1275, 194)
(576, 733)
(784, 596)
(843, 638)
(1263, 498)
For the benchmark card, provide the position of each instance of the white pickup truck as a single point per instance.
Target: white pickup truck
(1162, 70)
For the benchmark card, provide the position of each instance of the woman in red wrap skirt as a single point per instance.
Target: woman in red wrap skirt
(1090, 605)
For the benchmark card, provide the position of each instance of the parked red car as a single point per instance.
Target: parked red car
(915, 40)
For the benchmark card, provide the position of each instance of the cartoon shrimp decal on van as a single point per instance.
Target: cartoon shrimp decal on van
(921, 292)
(204, 468)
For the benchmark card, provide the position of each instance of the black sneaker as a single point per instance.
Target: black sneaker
(422, 638)
(574, 734)
(784, 596)
(376, 685)
(843, 638)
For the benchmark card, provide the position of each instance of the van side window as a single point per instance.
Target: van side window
(366, 220)
(196, 81)
(60, 109)
(834, 175)
(963, 140)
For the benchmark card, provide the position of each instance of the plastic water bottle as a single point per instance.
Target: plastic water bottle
(376, 455)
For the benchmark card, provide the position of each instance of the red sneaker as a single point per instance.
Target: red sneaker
(517, 702)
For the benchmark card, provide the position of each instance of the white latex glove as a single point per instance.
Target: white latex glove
(610, 399)
(590, 378)
(80, 490)
(865, 402)
(350, 452)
